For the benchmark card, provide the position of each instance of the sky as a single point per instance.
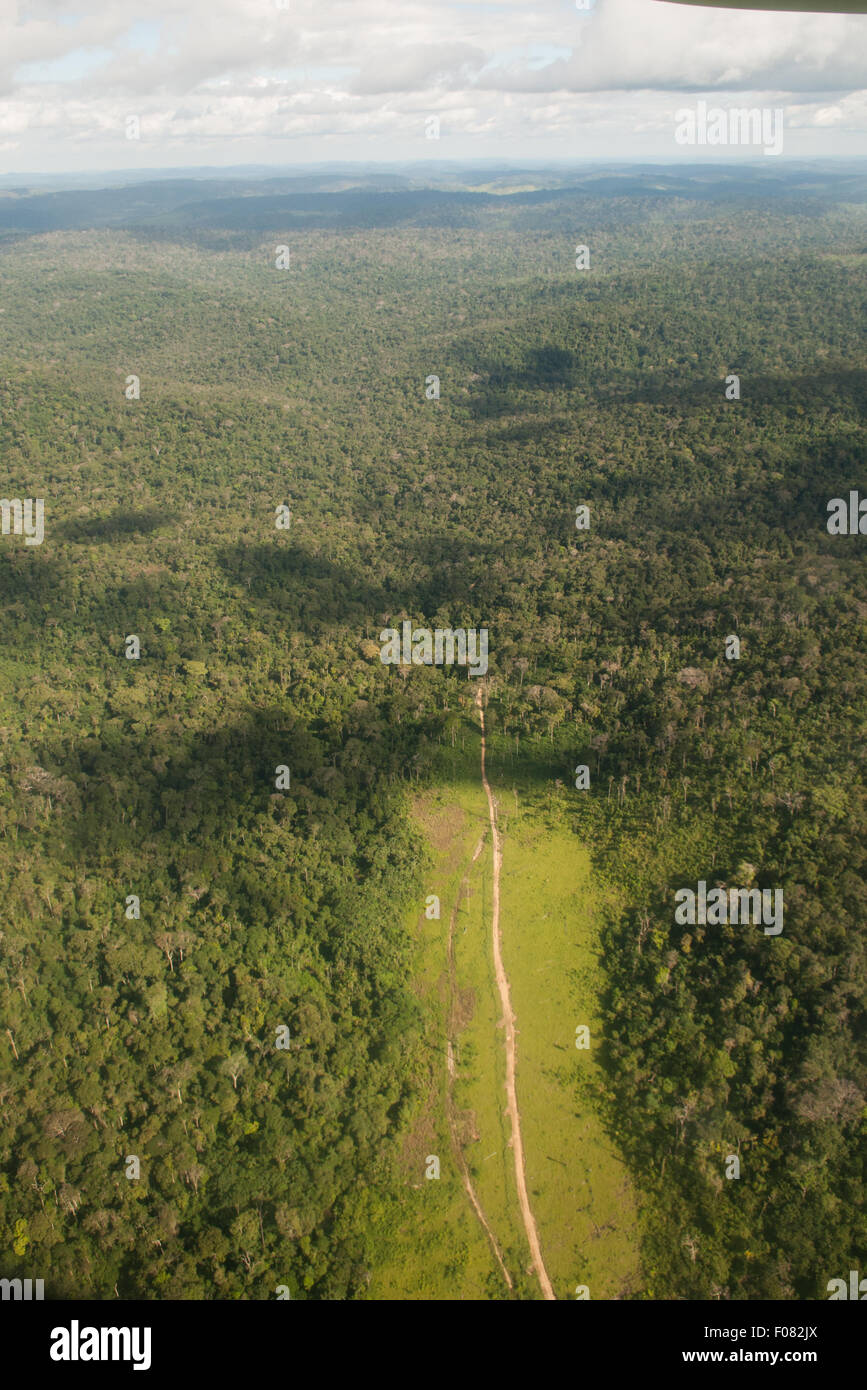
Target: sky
(89, 86)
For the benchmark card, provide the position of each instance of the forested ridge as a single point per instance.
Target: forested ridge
(262, 908)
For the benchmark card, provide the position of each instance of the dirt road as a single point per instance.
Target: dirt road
(509, 1024)
(450, 1082)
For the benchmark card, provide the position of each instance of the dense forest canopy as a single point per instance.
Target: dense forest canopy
(263, 907)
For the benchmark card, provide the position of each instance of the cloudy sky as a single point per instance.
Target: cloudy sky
(219, 82)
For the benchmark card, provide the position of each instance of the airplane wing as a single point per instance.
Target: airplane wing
(804, 6)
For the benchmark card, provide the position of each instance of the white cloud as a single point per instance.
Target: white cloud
(244, 79)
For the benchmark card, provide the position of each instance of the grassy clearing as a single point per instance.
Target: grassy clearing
(436, 1248)
(583, 1202)
(579, 1187)
(480, 1089)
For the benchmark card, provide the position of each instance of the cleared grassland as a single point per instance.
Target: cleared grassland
(436, 1247)
(579, 1189)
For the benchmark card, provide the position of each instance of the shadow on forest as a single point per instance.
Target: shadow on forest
(117, 798)
(288, 576)
(447, 574)
(436, 571)
(113, 527)
(207, 782)
(552, 369)
(440, 573)
(45, 586)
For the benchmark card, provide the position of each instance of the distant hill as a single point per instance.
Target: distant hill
(275, 203)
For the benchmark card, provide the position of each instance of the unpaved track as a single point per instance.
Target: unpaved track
(450, 1073)
(509, 1023)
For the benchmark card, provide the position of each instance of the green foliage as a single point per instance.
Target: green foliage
(155, 1036)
